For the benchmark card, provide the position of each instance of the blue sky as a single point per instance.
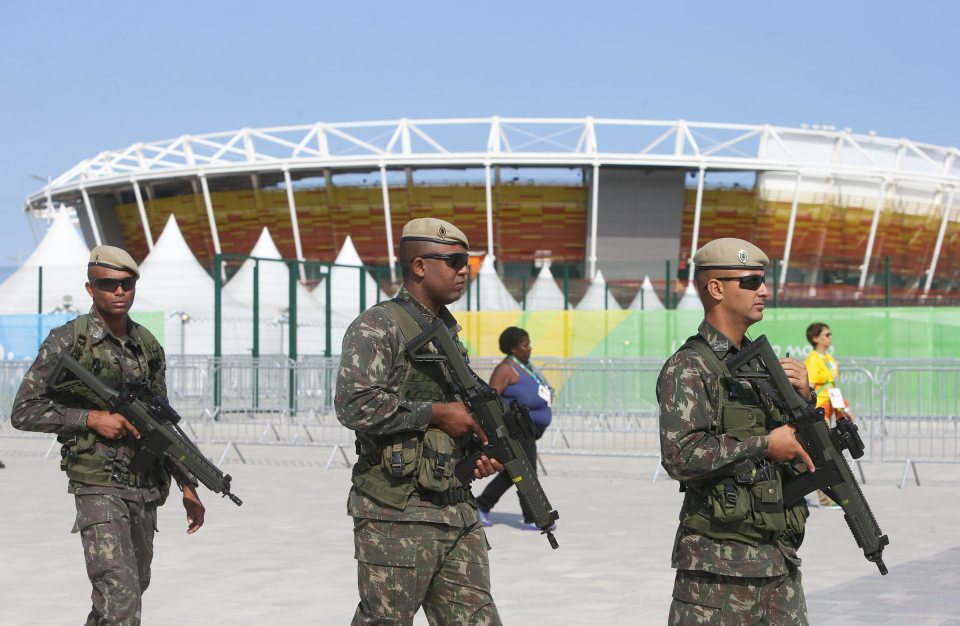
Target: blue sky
(78, 78)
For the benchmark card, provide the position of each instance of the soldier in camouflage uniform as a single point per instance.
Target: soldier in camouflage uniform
(736, 548)
(417, 534)
(116, 509)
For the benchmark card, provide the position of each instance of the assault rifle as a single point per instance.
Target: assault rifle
(503, 428)
(759, 364)
(160, 435)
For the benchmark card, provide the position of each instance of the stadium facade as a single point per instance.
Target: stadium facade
(630, 197)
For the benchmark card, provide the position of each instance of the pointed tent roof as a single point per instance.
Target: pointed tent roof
(173, 279)
(274, 278)
(545, 295)
(494, 295)
(646, 299)
(63, 255)
(596, 298)
(345, 283)
(690, 299)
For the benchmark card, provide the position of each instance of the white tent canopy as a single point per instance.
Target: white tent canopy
(545, 295)
(345, 292)
(273, 299)
(596, 298)
(345, 283)
(173, 281)
(646, 299)
(63, 256)
(690, 299)
(493, 294)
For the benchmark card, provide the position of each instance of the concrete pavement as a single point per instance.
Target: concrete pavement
(286, 555)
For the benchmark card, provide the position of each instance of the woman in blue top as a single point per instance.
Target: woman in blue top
(515, 378)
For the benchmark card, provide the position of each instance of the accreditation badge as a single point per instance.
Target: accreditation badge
(836, 398)
(544, 392)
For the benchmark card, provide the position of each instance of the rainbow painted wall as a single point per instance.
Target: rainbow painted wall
(926, 332)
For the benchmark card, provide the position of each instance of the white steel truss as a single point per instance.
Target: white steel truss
(564, 142)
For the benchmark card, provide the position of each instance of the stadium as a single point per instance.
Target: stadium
(851, 218)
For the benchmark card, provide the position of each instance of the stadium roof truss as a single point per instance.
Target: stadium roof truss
(811, 153)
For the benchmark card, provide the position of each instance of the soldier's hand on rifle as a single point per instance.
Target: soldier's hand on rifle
(783, 446)
(454, 419)
(797, 373)
(111, 425)
(195, 509)
(487, 467)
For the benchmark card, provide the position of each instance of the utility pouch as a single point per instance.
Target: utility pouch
(731, 502)
(400, 455)
(437, 461)
(76, 446)
(768, 513)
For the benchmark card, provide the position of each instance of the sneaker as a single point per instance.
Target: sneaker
(532, 526)
(485, 518)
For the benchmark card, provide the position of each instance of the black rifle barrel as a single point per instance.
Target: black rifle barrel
(153, 418)
(758, 363)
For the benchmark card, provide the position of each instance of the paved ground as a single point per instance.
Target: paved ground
(286, 555)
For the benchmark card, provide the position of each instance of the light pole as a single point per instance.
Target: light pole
(184, 320)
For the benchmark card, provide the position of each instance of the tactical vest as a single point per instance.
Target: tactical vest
(391, 467)
(87, 457)
(746, 504)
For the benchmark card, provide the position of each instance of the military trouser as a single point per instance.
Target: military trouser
(703, 598)
(117, 538)
(402, 566)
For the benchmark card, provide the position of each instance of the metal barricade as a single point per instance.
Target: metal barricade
(11, 373)
(602, 407)
(920, 416)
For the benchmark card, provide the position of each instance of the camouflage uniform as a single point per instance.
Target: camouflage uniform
(719, 581)
(116, 521)
(422, 554)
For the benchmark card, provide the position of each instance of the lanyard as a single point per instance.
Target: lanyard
(528, 370)
(830, 371)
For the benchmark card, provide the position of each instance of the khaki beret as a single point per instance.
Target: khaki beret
(432, 229)
(114, 258)
(729, 253)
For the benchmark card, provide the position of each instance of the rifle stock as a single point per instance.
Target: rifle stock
(502, 428)
(153, 417)
(759, 364)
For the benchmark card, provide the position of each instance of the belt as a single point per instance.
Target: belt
(455, 495)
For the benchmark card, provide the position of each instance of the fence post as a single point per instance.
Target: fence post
(292, 270)
(256, 333)
(666, 299)
(217, 328)
(566, 286)
(328, 314)
(468, 291)
(40, 290)
(776, 268)
(523, 292)
(886, 281)
(363, 290)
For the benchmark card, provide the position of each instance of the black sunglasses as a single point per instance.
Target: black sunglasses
(110, 284)
(455, 260)
(751, 282)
